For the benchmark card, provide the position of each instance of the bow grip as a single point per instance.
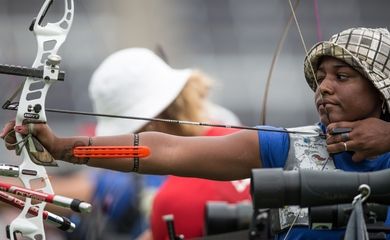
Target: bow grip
(38, 153)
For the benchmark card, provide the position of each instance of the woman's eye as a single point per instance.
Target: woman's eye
(342, 76)
(320, 78)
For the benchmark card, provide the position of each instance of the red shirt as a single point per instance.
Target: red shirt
(186, 199)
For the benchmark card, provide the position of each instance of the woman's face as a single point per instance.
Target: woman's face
(344, 94)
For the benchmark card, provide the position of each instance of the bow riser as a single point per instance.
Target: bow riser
(32, 107)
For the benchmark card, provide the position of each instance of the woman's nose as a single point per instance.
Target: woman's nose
(325, 86)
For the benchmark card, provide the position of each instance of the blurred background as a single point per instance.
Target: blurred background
(233, 41)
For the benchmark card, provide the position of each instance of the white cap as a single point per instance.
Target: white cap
(133, 82)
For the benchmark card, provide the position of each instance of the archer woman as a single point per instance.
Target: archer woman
(350, 77)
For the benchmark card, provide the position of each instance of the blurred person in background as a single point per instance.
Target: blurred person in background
(136, 82)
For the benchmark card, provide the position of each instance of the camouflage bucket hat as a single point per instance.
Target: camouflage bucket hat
(367, 50)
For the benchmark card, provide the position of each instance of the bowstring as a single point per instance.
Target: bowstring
(317, 85)
(273, 64)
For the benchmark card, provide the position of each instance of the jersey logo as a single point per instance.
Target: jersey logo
(241, 185)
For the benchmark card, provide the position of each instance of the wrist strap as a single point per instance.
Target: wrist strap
(136, 158)
(90, 143)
